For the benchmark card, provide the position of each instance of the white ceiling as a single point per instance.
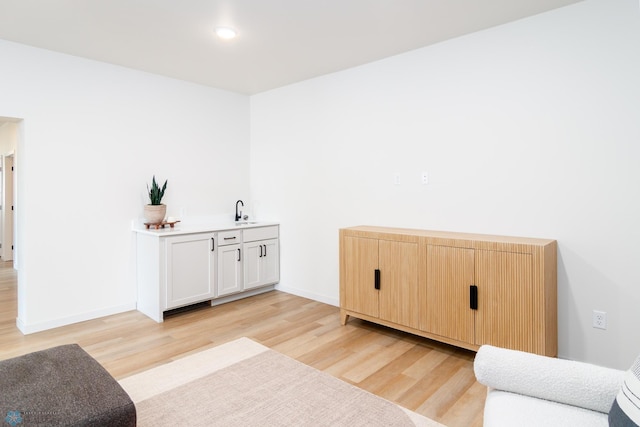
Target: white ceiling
(279, 42)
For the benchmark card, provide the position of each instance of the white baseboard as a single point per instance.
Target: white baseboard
(27, 329)
(306, 294)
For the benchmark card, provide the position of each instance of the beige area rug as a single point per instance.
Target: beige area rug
(243, 383)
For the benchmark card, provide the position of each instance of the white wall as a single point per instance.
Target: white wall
(528, 129)
(93, 135)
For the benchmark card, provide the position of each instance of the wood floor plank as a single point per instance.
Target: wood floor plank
(389, 381)
(468, 409)
(426, 364)
(437, 405)
(432, 382)
(377, 361)
(431, 378)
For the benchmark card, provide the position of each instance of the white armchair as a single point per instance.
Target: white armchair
(525, 389)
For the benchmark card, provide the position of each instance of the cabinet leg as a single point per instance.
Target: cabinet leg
(343, 317)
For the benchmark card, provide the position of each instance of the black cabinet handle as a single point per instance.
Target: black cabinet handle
(260, 252)
(238, 255)
(230, 238)
(473, 297)
(213, 244)
(377, 279)
(265, 250)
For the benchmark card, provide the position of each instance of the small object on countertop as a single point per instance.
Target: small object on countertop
(161, 224)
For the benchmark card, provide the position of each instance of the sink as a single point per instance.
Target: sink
(240, 223)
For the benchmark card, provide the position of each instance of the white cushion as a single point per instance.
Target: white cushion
(504, 409)
(574, 383)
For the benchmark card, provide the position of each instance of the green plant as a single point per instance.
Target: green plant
(155, 192)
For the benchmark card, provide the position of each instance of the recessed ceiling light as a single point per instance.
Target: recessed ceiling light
(225, 33)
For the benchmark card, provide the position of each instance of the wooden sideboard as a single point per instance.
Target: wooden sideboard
(462, 289)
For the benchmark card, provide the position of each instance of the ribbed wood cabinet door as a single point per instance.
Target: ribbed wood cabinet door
(361, 261)
(508, 303)
(399, 282)
(450, 273)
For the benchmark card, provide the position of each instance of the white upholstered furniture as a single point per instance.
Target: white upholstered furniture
(525, 389)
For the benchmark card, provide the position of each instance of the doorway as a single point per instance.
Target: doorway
(7, 243)
(11, 133)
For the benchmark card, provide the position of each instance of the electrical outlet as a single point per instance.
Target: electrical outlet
(425, 177)
(599, 319)
(396, 178)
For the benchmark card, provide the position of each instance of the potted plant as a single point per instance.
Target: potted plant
(155, 212)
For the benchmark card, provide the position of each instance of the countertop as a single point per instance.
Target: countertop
(190, 227)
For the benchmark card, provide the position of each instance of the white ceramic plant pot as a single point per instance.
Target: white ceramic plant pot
(154, 214)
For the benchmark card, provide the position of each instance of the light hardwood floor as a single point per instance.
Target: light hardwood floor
(430, 378)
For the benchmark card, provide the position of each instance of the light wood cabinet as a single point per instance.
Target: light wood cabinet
(446, 296)
(361, 296)
(462, 289)
(384, 276)
(510, 302)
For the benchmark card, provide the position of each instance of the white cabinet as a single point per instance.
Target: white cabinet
(190, 263)
(261, 257)
(176, 268)
(229, 262)
(174, 271)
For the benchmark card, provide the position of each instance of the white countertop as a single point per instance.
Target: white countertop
(190, 227)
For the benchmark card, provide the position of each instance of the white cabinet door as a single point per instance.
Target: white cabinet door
(252, 263)
(190, 264)
(261, 265)
(229, 269)
(271, 262)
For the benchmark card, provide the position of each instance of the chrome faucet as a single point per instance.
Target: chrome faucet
(239, 214)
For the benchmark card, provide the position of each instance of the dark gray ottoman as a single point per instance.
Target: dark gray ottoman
(61, 386)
